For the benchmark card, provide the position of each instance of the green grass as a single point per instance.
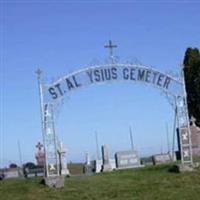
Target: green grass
(75, 168)
(150, 183)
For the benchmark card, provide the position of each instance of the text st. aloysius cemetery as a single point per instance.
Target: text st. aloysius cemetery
(97, 75)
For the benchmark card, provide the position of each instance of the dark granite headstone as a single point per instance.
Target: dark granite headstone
(195, 138)
(195, 131)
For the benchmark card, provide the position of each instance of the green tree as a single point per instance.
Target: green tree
(29, 165)
(13, 165)
(192, 79)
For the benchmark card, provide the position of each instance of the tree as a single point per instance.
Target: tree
(29, 165)
(192, 80)
(13, 165)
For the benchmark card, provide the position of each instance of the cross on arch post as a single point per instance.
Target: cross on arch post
(38, 72)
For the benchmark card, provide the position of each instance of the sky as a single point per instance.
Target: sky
(60, 37)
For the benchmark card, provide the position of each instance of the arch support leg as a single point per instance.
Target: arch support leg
(184, 134)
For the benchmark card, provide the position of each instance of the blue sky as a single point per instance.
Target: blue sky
(63, 36)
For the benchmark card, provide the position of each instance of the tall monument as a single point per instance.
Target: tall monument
(40, 156)
(62, 160)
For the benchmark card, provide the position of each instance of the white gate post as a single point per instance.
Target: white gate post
(184, 126)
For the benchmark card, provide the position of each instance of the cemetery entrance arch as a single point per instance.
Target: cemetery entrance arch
(51, 94)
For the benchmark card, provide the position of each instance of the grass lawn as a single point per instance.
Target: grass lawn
(150, 183)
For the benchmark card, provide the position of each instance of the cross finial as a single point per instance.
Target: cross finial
(61, 149)
(193, 120)
(39, 146)
(110, 46)
(38, 72)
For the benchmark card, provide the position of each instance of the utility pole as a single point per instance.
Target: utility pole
(167, 133)
(97, 146)
(20, 153)
(176, 122)
(131, 138)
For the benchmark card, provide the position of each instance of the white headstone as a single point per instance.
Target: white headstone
(105, 157)
(62, 152)
(98, 166)
(87, 156)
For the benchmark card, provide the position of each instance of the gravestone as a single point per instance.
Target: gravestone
(195, 132)
(112, 163)
(88, 167)
(12, 173)
(63, 164)
(105, 157)
(183, 137)
(161, 158)
(55, 181)
(87, 156)
(127, 159)
(98, 166)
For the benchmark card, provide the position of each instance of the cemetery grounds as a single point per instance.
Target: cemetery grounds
(149, 183)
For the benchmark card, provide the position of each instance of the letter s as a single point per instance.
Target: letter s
(53, 93)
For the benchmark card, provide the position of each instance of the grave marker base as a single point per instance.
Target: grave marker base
(55, 181)
(185, 168)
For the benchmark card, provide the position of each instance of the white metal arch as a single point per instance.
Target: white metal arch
(175, 83)
(50, 94)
